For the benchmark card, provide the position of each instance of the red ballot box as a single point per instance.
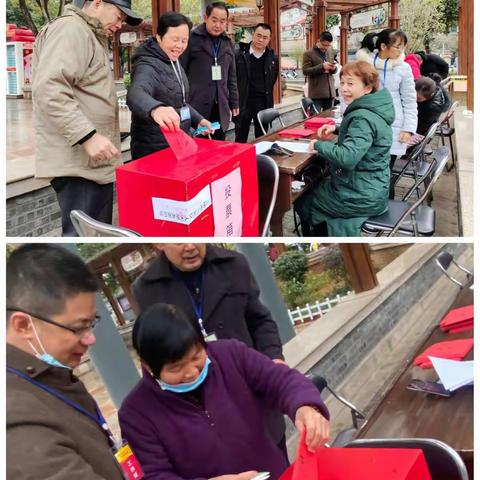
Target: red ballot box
(358, 464)
(208, 189)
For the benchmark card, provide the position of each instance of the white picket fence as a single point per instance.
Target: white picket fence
(312, 312)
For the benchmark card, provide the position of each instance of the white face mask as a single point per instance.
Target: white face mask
(46, 357)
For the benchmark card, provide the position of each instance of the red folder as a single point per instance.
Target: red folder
(317, 122)
(358, 464)
(296, 132)
(451, 349)
(457, 316)
(466, 328)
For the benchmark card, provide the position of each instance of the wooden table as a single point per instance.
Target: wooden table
(407, 414)
(289, 167)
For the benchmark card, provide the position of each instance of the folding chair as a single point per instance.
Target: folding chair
(444, 260)
(308, 107)
(443, 462)
(86, 226)
(408, 218)
(415, 166)
(268, 178)
(445, 130)
(267, 116)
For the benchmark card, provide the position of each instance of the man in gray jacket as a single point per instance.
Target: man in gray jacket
(75, 107)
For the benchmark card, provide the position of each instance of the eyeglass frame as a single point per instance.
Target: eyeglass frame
(80, 332)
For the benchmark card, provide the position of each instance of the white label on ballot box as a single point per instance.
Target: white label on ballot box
(227, 205)
(181, 212)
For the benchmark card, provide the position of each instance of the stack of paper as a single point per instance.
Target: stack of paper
(453, 374)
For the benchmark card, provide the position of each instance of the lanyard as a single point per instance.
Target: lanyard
(179, 78)
(98, 418)
(384, 69)
(197, 304)
(216, 49)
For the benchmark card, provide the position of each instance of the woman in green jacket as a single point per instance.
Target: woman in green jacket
(358, 185)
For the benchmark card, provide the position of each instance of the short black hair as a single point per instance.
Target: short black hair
(265, 26)
(220, 5)
(422, 54)
(426, 87)
(326, 37)
(42, 277)
(389, 36)
(171, 19)
(164, 334)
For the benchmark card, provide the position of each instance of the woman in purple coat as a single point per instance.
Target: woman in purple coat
(196, 412)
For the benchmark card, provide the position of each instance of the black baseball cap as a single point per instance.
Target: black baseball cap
(133, 18)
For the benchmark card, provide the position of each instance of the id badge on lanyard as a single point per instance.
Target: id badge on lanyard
(185, 113)
(128, 462)
(216, 69)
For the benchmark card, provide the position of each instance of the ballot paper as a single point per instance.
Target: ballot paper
(262, 147)
(453, 373)
(298, 147)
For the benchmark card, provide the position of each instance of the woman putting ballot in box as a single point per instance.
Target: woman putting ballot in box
(197, 413)
(158, 95)
(357, 187)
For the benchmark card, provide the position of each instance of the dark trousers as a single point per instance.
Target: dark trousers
(244, 120)
(75, 193)
(215, 117)
(323, 103)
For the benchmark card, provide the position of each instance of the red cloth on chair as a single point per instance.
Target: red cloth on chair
(451, 349)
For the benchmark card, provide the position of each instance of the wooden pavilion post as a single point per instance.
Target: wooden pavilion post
(159, 7)
(124, 283)
(271, 15)
(112, 300)
(117, 74)
(394, 19)
(358, 264)
(344, 28)
(322, 18)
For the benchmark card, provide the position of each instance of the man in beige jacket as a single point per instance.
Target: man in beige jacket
(75, 107)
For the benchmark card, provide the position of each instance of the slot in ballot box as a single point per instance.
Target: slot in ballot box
(208, 189)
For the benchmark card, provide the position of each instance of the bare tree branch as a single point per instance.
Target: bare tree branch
(28, 16)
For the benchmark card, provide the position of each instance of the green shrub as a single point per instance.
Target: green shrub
(291, 265)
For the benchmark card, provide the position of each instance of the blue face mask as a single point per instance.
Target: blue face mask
(187, 387)
(46, 357)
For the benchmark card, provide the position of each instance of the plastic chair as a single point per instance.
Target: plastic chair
(86, 226)
(408, 218)
(308, 107)
(445, 130)
(268, 178)
(267, 116)
(443, 462)
(444, 260)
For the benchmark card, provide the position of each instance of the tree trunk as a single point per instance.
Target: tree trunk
(43, 4)
(61, 4)
(27, 16)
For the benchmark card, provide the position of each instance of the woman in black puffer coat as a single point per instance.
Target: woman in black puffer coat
(159, 93)
(432, 101)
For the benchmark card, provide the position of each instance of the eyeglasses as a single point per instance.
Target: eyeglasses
(398, 47)
(78, 331)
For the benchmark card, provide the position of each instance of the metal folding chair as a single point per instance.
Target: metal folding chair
(444, 260)
(308, 107)
(268, 178)
(267, 116)
(86, 226)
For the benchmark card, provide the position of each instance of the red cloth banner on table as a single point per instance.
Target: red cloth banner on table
(317, 122)
(198, 188)
(296, 132)
(358, 464)
(458, 318)
(451, 349)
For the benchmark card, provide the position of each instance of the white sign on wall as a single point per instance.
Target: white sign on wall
(296, 32)
(128, 37)
(375, 17)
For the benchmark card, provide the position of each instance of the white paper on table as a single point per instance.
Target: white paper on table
(298, 147)
(262, 147)
(453, 373)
